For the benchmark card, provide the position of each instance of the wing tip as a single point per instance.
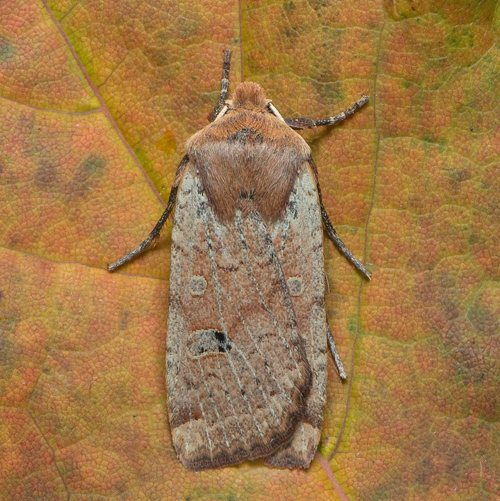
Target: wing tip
(201, 459)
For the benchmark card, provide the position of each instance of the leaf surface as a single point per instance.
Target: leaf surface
(97, 100)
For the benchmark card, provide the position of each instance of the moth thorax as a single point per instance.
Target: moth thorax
(249, 95)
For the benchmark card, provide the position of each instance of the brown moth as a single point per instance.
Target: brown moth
(247, 329)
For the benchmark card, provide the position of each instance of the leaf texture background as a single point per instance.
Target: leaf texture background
(96, 100)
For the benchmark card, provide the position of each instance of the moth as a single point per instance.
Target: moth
(247, 329)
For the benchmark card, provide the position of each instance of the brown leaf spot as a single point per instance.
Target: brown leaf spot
(457, 177)
(6, 50)
(87, 172)
(124, 320)
(167, 143)
(46, 174)
(92, 166)
(8, 356)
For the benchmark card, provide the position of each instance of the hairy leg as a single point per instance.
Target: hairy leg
(155, 233)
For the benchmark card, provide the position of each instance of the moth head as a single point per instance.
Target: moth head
(249, 95)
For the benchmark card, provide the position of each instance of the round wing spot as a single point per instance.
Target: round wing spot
(197, 285)
(295, 286)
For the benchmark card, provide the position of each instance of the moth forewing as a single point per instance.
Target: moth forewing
(237, 373)
(247, 328)
(298, 238)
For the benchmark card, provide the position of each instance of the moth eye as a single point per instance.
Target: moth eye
(295, 286)
(197, 285)
(208, 342)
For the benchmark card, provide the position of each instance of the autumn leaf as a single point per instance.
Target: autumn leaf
(97, 100)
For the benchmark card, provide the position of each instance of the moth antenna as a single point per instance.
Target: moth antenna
(309, 123)
(344, 114)
(224, 86)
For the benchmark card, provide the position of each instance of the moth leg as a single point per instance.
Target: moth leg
(330, 230)
(309, 123)
(335, 353)
(332, 234)
(155, 233)
(224, 85)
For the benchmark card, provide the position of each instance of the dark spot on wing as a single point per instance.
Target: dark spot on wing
(208, 342)
(220, 336)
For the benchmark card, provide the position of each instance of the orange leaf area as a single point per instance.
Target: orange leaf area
(96, 101)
